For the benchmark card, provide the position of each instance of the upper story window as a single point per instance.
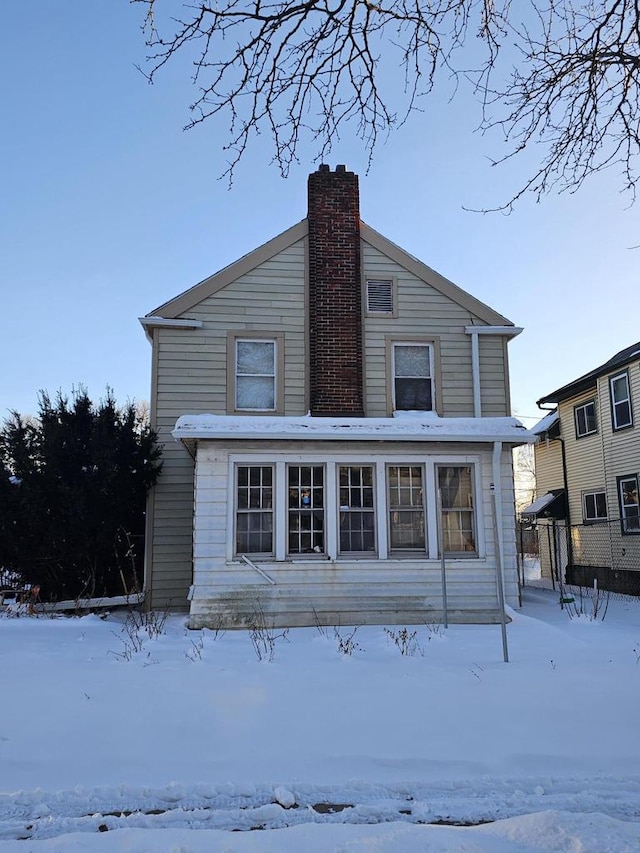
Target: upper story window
(255, 375)
(413, 386)
(629, 507)
(621, 413)
(379, 296)
(585, 418)
(594, 506)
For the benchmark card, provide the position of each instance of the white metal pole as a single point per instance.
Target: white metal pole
(445, 608)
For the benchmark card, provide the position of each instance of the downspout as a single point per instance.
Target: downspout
(475, 373)
(496, 497)
(565, 482)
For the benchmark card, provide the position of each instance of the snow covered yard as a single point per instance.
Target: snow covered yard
(174, 745)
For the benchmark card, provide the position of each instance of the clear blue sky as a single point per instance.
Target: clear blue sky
(109, 209)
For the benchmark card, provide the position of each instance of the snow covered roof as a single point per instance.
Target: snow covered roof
(552, 504)
(405, 426)
(546, 423)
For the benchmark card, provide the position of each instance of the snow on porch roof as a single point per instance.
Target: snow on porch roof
(414, 426)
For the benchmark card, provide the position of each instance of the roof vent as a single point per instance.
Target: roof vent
(379, 296)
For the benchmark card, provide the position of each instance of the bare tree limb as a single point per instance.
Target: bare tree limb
(561, 76)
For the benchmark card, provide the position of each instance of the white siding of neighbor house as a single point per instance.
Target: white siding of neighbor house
(231, 593)
(422, 310)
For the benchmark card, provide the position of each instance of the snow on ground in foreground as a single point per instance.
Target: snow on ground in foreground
(176, 745)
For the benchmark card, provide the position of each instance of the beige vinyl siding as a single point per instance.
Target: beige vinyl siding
(190, 377)
(622, 446)
(584, 459)
(548, 461)
(344, 591)
(422, 310)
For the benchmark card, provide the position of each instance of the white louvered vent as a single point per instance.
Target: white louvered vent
(379, 296)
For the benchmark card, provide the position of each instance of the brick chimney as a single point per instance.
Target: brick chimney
(335, 306)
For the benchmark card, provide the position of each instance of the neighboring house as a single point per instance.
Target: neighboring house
(313, 400)
(587, 471)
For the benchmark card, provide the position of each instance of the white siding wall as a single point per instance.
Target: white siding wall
(343, 591)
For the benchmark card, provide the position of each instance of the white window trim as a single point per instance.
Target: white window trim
(432, 369)
(262, 555)
(595, 417)
(331, 462)
(623, 518)
(277, 339)
(614, 421)
(350, 555)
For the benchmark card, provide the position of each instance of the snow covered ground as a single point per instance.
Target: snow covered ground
(114, 741)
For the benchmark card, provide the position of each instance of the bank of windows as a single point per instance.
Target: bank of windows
(357, 514)
(585, 419)
(621, 414)
(594, 506)
(629, 505)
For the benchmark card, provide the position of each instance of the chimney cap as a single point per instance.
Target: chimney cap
(323, 167)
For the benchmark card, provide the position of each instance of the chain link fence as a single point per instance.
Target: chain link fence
(553, 554)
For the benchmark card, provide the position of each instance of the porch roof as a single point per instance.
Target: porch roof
(415, 426)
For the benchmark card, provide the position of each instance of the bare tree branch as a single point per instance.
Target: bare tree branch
(561, 76)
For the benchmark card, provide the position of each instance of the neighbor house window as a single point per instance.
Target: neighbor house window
(305, 528)
(620, 401)
(357, 519)
(379, 296)
(413, 377)
(629, 510)
(254, 509)
(458, 514)
(255, 375)
(406, 508)
(585, 418)
(594, 506)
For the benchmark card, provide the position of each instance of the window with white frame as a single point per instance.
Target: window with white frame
(412, 369)
(629, 508)
(585, 418)
(458, 514)
(306, 509)
(594, 506)
(407, 523)
(255, 375)
(621, 414)
(357, 531)
(254, 509)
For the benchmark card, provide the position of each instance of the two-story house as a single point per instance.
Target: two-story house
(587, 458)
(336, 431)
